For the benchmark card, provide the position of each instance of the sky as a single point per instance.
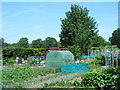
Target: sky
(42, 19)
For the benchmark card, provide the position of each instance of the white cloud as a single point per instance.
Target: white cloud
(23, 11)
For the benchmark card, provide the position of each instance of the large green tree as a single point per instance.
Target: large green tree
(3, 43)
(115, 39)
(78, 29)
(50, 42)
(36, 43)
(99, 41)
(23, 42)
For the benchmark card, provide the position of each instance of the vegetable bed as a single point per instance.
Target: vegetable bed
(107, 79)
(23, 73)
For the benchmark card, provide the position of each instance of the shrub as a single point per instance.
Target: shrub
(34, 62)
(24, 73)
(9, 61)
(13, 52)
(106, 79)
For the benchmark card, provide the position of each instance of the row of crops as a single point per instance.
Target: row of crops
(22, 77)
(20, 74)
(33, 76)
(108, 78)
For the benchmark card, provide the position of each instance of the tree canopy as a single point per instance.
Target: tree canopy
(50, 42)
(23, 42)
(36, 43)
(115, 39)
(3, 43)
(78, 28)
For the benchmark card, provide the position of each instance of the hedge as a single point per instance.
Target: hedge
(13, 52)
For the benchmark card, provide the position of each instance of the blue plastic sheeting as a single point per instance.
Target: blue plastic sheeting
(75, 68)
(89, 56)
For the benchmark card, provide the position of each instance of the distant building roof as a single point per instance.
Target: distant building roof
(54, 48)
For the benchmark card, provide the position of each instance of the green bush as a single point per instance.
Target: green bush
(23, 73)
(107, 79)
(13, 52)
(97, 62)
(63, 84)
(9, 61)
(33, 62)
(97, 48)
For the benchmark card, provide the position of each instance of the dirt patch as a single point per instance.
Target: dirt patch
(76, 78)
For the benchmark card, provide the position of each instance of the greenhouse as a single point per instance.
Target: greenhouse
(58, 58)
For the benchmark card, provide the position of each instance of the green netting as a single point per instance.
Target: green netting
(75, 68)
(58, 58)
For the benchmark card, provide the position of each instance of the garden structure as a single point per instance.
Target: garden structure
(112, 56)
(58, 58)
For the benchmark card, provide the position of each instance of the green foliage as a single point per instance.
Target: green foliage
(23, 42)
(9, 61)
(63, 84)
(113, 71)
(59, 44)
(77, 82)
(38, 51)
(97, 48)
(13, 52)
(99, 41)
(95, 68)
(19, 85)
(36, 43)
(23, 73)
(97, 62)
(3, 43)
(79, 30)
(50, 42)
(76, 51)
(33, 62)
(115, 39)
(107, 79)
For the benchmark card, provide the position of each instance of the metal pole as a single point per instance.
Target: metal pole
(105, 56)
(88, 55)
(112, 57)
(117, 58)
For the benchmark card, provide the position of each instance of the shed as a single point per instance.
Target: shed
(58, 58)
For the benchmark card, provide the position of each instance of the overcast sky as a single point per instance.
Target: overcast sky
(42, 19)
